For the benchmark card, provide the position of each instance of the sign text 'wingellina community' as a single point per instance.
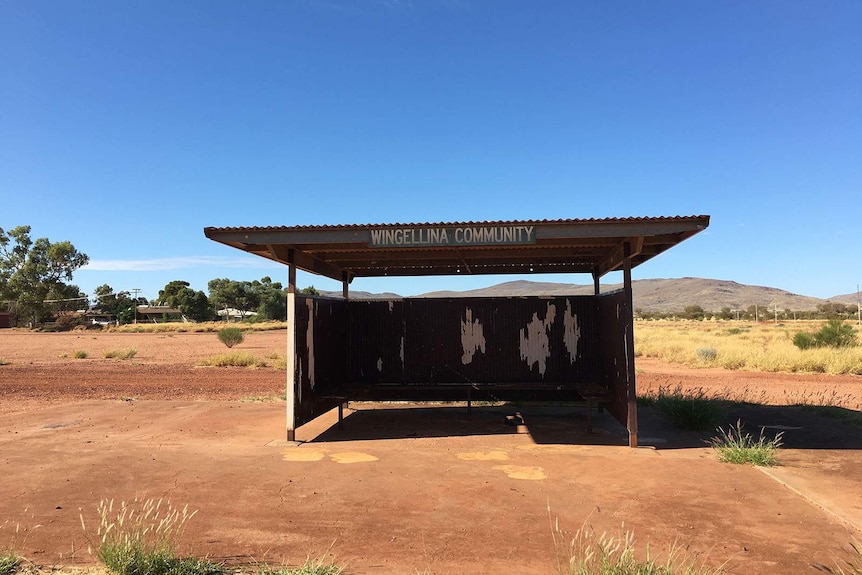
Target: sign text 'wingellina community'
(452, 236)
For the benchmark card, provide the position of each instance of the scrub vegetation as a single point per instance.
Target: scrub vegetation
(695, 410)
(142, 538)
(738, 446)
(231, 336)
(587, 553)
(319, 566)
(233, 359)
(850, 565)
(756, 347)
(190, 327)
(126, 353)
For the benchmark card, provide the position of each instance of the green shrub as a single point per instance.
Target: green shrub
(738, 446)
(80, 354)
(834, 334)
(803, 340)
(231, 336)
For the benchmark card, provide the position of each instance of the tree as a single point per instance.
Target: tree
(273, 301)
(193, 304)
(226, 293)
(693, 312)
(67, 297)
(117, 304)
(30, 269)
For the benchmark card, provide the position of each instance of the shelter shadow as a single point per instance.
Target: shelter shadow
(802, 427)
(545, 424)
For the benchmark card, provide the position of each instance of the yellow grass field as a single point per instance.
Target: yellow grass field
(740, 345)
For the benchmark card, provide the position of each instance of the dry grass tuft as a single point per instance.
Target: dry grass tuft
(142, 538)
(232, 359)
(191, 327)
(587, 553)
(126, 353)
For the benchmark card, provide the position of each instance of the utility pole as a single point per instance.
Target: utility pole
(135, 302)
(858, 307)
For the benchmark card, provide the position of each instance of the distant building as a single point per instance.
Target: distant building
(157, 313)
(5, 319)
(233, 314)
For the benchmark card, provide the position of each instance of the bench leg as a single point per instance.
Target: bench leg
(469, 402)
(589, 416)
(340, 415)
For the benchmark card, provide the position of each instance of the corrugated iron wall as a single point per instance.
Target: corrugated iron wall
(376, 335)
(321, 342)
(499, 340)
(343, 346)
(612, 363)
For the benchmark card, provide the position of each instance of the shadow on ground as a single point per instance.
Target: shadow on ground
(802, 427)
(545, 424)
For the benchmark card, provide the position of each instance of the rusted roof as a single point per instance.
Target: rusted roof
(345, 251)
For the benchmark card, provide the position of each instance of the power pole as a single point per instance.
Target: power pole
(858, 307)
(135, 302)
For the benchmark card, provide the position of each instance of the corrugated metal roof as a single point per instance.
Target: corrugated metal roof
(441, 224)
(595, 245)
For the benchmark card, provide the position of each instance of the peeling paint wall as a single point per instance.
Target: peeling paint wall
(572, 333)
(472, 337)
(535, 343)
(489, 343)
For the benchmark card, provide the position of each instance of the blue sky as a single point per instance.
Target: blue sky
(127, 127)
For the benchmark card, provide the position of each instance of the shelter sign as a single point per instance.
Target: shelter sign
(452, 236)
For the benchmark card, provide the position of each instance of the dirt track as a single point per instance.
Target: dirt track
(401, 489)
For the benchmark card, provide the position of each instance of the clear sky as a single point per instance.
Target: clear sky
(127, 127)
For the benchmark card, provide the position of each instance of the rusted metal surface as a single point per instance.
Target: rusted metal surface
(321, 330)
(375, 342)
(500, 247)
(426, 349)
(487, 341)
(612, 365)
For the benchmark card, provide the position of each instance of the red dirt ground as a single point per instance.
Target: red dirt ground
(401, 489)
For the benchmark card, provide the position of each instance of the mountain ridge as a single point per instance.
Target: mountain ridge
(654, 295)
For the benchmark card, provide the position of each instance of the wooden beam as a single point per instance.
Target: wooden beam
(305, 261)
(290, 352)
(628, 328)
(614, 260)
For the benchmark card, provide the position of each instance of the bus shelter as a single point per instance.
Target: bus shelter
(559, 348)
